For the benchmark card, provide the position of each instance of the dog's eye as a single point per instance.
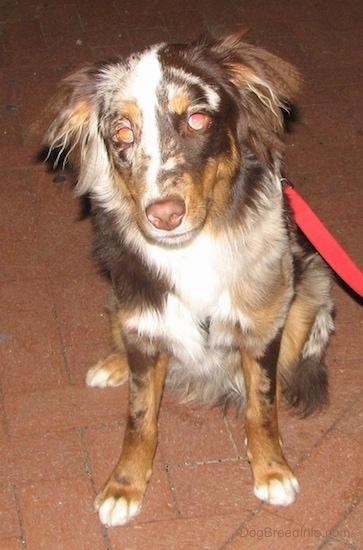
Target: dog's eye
(125, 135)
(198, 122)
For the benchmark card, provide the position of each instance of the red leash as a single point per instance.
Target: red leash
(323, 240)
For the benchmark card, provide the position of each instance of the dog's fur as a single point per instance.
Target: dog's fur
(179, 148)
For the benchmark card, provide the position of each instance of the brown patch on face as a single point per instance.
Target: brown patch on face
(131, 111)
(125, 181)
(179, 103)
(227, 166)
(214, 186)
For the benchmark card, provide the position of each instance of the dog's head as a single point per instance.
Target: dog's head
(162, 138)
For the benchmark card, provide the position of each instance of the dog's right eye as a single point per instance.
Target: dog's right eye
(125, 135)
(198, 122)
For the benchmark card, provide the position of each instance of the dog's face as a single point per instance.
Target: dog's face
(161, 137)
(171, 135)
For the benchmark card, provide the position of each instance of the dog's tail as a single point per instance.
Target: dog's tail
(305, 379)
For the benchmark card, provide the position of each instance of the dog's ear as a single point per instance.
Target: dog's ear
(67, 116)
(70, 127)
(266, 85)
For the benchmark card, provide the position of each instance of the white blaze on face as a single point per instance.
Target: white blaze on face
(147, 78)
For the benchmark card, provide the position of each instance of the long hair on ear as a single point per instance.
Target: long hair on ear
(71, 130)
(266, 85)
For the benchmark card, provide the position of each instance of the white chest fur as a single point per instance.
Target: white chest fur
(201, 275)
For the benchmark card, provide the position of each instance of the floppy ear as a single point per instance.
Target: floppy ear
(266, 85)
(67, 117)
(71, 128)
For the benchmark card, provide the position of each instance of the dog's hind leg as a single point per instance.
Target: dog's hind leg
(301, 369)
(274, 482)
(112, 370)
(123, 493)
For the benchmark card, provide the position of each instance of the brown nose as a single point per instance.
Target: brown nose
(166, 214)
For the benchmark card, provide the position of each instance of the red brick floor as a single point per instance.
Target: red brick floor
(58, 438)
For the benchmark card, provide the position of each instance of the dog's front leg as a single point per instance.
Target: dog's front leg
(122, 496)
(274, 482)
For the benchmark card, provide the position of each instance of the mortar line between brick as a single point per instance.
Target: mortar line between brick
(204, 462)
(348, 511)
(20, 517)
(86, 459)
(171, 484)
(60, 336)
(343, 544)
(4, 416)
(241, 526)
(88, 470)
(329, 430)
(231, 437)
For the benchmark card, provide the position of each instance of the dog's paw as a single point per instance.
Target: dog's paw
(111, 371)
(279, 491)
(117, 503)
(117, 511)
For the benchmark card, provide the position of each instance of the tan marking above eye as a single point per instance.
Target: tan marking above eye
(179, 103)
(131, 111)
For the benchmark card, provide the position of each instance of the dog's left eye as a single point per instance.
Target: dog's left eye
(125, 135)
(199, 122)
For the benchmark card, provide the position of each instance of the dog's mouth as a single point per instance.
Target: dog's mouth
(171, 238)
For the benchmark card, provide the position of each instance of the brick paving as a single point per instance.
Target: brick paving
(58, 438)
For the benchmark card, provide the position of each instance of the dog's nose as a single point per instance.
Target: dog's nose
(166, 214)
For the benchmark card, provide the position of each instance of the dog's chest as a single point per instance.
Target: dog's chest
(199, 311)
(200, 274)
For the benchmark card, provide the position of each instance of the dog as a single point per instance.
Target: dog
(215, 292)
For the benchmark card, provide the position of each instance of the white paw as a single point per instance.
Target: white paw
(278, 492)
(98, 378)
(117, 511)
(111, 371)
